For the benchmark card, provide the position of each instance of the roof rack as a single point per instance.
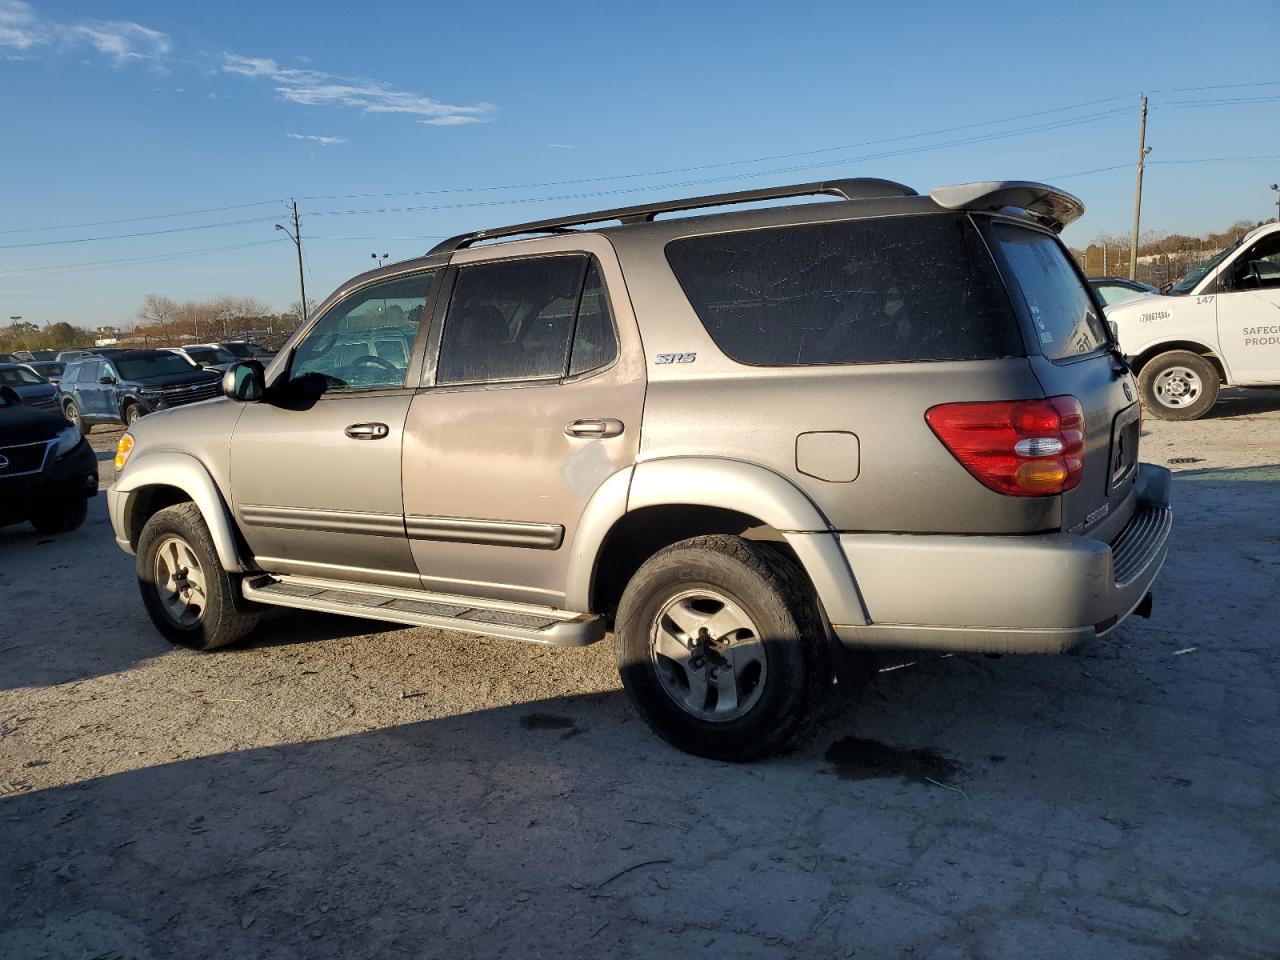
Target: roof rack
(862, 188)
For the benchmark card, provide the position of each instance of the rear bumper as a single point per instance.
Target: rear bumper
(1033, 594)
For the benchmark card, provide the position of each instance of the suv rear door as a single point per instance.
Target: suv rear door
(1071, 353)
(534, 401)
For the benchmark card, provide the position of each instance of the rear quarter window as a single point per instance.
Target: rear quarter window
(1058, 305)
(861, 291)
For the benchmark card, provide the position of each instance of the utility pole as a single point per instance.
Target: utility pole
(1143, 150)
(296, 237)
(1104, 261)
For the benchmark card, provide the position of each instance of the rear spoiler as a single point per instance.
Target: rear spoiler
(1049, 205)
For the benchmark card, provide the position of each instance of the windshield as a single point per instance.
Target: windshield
(145, 368)
(18, 377)
(1198, 273)
(205, 355)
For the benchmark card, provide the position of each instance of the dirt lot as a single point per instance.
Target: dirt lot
(338, 787)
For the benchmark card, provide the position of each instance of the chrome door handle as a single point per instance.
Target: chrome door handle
(367, 431)
(594, 429)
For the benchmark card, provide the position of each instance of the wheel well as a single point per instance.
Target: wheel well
(641, 533)
(1191, 346)
(149, 501)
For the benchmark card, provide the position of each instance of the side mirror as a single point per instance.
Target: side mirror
(244, 382)
(106, 381)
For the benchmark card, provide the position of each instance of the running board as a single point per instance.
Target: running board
(421, 608)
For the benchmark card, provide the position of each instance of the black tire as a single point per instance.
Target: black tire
(60, 516)
(131, 414)
(224, 616)
(72, 412)
(779, 603)
(1157, 398)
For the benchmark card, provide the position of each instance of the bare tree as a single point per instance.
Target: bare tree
(158, 311)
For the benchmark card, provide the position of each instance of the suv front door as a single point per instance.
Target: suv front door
(1249, 313)
(533, 402)
(315, 466)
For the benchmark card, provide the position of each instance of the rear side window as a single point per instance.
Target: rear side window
(1065, 320)
(533, 319)
(860, 291)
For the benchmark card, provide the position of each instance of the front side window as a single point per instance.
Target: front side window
(89, 372)
(858, 291)
(365, 341)
(511, 320)
(1259, 267)
(1065, 320)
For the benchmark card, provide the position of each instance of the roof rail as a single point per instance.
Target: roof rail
(1053, 207)
(862, 188)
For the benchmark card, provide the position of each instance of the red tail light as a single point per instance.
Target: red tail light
(1023, 448)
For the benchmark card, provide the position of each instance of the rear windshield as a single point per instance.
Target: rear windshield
(161, 365)
(1060, 309)
(858, 291)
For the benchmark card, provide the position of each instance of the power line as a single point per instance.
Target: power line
(129, 236)
(60, 268)
(154, 216)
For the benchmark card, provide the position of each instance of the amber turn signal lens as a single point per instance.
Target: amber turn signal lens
(123, 449)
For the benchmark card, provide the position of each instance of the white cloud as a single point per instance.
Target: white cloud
(19, 29)
(317, 88)
(122, 40)
(561, 146)
(323, 140)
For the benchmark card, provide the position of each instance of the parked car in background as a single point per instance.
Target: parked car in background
(65, 355)
(205, 355)
(755, 444)
(8, 358)
(35, 391)
(51, 370)
(127, 385)
(47, 470)
(1218, 325)
(247, 350)
(1113, 290)
(25, 355)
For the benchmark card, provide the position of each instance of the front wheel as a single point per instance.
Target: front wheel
(189, 597)
(721, 648)
(72, 412)
(1179, 385)
(60, 516)
(131, 414)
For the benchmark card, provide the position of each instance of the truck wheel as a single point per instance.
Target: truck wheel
(72, 412)
(1178, 385)
(721, 648)
(60, 516)
(189, 597)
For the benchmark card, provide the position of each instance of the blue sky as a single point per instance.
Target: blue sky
(125, 110)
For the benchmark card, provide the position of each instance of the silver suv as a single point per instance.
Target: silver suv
(755, 444)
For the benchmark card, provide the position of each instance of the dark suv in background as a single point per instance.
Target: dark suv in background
(47, 471)
(125, 386)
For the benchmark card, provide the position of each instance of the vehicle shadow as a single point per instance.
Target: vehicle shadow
(1238, 402)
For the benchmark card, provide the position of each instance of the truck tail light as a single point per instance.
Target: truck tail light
(1023, 448)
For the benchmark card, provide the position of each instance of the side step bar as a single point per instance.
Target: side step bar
(489, 618)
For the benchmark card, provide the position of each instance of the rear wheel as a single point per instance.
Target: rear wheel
(71, 410)
(1179, 385)
(189, 597)
(721, 648)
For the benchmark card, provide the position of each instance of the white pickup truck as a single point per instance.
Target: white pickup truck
(1220, 324)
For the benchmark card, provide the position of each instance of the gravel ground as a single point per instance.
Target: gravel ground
(340, 787)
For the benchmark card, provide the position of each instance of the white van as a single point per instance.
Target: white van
(1220, 324)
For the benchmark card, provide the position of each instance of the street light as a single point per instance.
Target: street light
(381, 259)
(1276, 188)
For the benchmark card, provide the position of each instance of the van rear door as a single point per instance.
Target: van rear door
(1071, 353)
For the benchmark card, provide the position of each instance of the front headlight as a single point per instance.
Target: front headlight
(68, 440)
(123, 449)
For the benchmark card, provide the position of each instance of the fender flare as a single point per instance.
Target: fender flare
(170, 469)
(719, 482)
(1165, 344)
